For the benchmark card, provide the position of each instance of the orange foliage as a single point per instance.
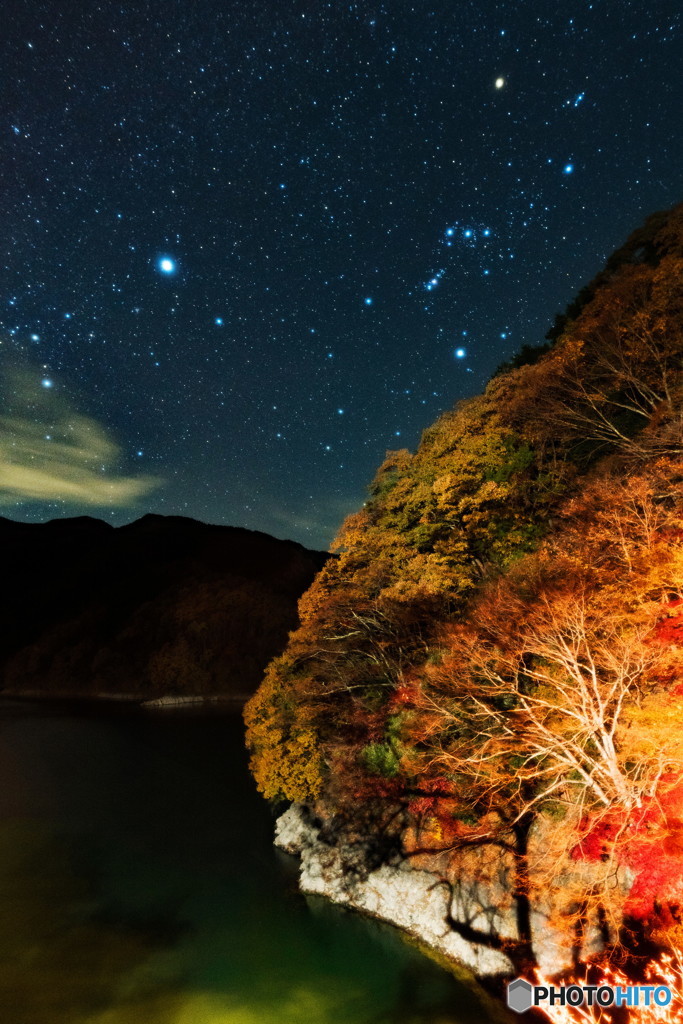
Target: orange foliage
(494, 642)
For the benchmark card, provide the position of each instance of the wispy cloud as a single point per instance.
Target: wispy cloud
(49, 452)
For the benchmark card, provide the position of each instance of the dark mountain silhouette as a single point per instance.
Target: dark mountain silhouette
(163, 606)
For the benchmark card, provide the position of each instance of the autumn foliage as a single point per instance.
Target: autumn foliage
(496, 652)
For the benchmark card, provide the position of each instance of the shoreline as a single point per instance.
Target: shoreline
(467, 924)
(166, 702)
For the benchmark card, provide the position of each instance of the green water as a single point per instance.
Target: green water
(139, 885)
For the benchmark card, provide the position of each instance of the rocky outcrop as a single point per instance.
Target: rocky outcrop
(411, 900)
(418, 902)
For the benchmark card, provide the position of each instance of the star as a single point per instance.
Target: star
(296, 197)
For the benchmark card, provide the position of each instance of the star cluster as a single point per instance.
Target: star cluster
(258, 244)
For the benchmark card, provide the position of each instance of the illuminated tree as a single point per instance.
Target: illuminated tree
(495, 646)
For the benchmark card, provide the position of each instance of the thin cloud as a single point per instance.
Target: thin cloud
(48, 452)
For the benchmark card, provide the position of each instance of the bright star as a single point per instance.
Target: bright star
(568, 168)
(218, 321)
(450, 232)
(46, 382)
(460, 353)
(166, 265)
(368, 301)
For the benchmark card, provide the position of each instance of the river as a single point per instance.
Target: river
(139, 885)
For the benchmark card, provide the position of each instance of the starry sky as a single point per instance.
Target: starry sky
(247, 247)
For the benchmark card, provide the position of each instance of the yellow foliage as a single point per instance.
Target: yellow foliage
(562, 481)
(286, 759)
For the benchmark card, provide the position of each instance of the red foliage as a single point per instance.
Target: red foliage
(657, 890)
(434, 799)
(650, 843)
(404, 697)
(670, 630)
(595, 844)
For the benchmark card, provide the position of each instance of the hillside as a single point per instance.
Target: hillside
(162, 606)
(488, 681)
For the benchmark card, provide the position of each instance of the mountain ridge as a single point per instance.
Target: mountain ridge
(163, 605)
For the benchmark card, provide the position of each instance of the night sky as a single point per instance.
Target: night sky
(247, 247)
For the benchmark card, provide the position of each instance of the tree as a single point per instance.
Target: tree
(485, 661)
(556, 699)
(623, 376)
(549, 690)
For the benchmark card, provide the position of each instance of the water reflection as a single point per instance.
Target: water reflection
(138, 882)
(59, 961)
